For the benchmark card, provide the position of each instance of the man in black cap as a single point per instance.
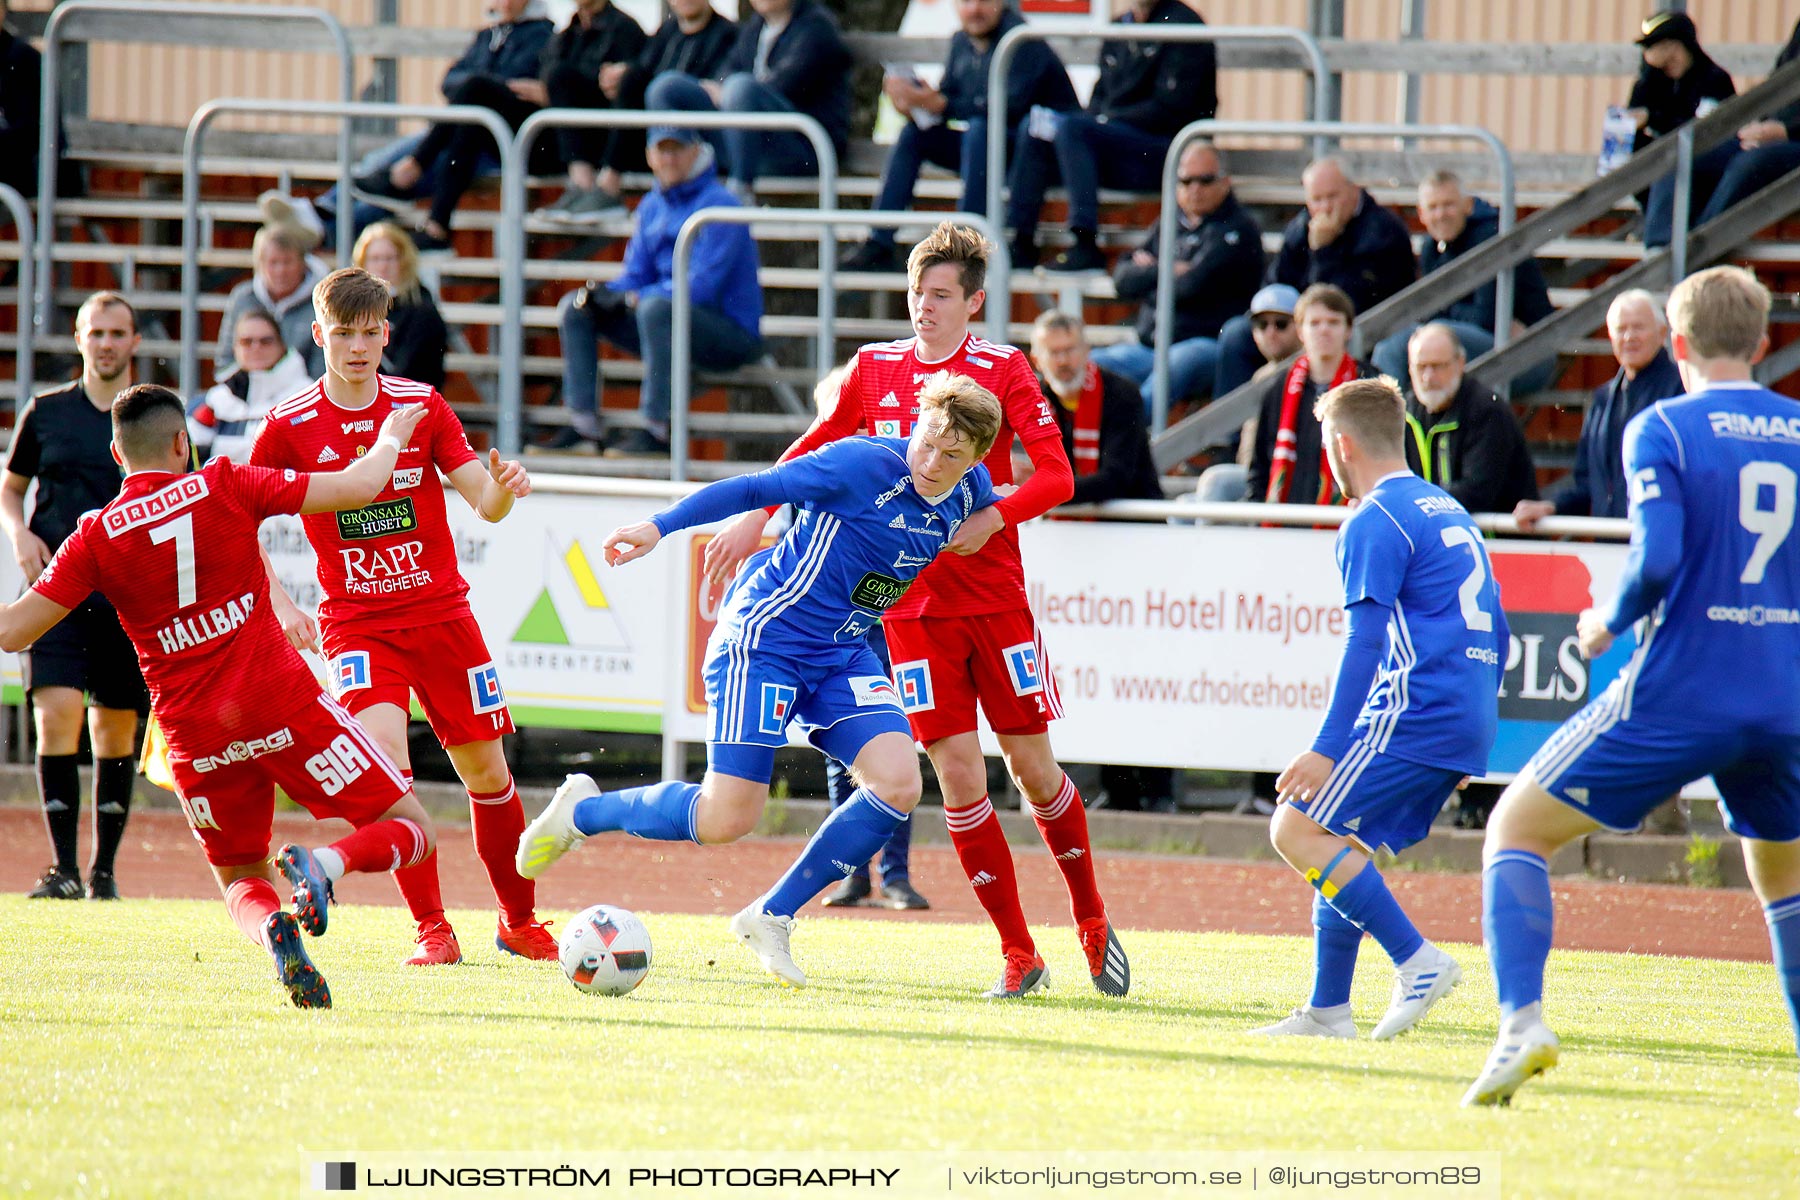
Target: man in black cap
(1763, 151)
(1677, 82)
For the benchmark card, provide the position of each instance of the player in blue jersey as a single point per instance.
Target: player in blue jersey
(1712, 585)
(1413, 713)
(790, 647)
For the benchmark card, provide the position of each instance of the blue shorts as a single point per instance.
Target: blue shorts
(752, 697)
(1381, 802)
(1616, 768)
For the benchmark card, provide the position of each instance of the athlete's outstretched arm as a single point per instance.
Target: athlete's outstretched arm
(807, 478)
(492, 487)
(301, 630)
(360, 482)
(27, 619)
(1051, 484)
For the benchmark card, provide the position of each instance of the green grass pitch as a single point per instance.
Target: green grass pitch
(148, 1051)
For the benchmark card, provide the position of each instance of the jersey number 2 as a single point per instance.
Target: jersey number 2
(181, 532)
(1470, 591)
(1770, 525)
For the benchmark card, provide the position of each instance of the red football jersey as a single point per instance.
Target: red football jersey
(178, 557)
(395, 560)
(880, 397)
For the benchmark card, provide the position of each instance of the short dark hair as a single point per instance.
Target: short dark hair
(144, 418)
(350, 294)
(100, 300)
(959, 246)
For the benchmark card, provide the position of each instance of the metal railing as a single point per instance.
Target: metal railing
(681, 348)
(508, 432)
(1317, 516)
(508, 235)
(1165, 259)
(1000, 132)
(27, 297)
(72, 11)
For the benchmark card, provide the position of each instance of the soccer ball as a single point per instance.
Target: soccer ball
(605, 951)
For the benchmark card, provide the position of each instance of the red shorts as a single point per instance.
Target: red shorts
(319, 756)
(943, 665)
(447, 665)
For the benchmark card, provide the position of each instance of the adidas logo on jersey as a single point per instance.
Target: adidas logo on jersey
(328, 455)
(889, 401)
(1578, 795)
(1071, 854)
(897, 523)
(982, 879)
(1353, 824)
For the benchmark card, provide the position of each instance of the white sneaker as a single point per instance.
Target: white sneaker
(1306, 1022)
(1516, 1057)
(553, 833)
(279, 208)
(1416, 989)
(767, 936)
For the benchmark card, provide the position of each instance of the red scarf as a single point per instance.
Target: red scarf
(1287, 439)
(1086, 456)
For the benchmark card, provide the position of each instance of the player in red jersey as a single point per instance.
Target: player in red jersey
(178, 556)
(964, 632)
(395, 616)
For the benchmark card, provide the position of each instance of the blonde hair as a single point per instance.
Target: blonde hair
(959, 246)
(406, 288)
(1371, 411)
(291, 238)
(825, 392)
(1722, 312)
(962, 407)
(349, 294)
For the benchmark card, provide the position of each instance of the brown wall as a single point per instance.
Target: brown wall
(162, 85)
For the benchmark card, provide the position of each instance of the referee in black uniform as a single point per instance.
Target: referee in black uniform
(63, 440)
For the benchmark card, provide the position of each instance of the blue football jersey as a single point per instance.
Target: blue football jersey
(1714, 575)
(862, 534)
(1412, 548)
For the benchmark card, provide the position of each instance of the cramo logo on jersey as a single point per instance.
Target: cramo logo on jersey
(1761, 428)
(239, 752)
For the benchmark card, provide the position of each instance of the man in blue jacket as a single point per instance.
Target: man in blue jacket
(635, 312)
(1455, 223)
(789, 57)
(1597, 486)
(948, 124)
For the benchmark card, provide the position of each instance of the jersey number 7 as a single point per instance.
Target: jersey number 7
(181, 532)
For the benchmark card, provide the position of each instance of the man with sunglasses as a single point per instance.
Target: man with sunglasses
(1218, 263)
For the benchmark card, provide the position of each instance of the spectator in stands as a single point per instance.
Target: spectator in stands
(21, 96)
(417, 337)
(948, 124)
(1287, 464)
(1677, 81)
(789, 57)
(1455, 223)
(1218, 260)
(85, 666)
(694, 40)
(281, 283)
(1146, 92)
(1464, 438)
(635, 312)
(1597, 486)
(224, 422)
(1277, 339)
(1099, 411)
(1764, 151)
(597, 33)
(1344, 238)
(506, 51)
(598, 38)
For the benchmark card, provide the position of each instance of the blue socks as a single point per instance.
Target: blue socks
(660, 812)
(1516, 920)
(1368, 903)
(1335, 942)
(853, 832)
(1784, 935)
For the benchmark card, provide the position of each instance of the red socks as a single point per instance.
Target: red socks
(390, 845)
(1063, 824)
(499, 821)
(250, 903)
(987, 861)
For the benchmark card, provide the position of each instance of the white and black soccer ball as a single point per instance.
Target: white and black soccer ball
(605, 950)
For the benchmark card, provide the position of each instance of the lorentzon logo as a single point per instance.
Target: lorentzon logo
(334, 1177)
(777, 707)
(1022, 665)
(913, 679)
